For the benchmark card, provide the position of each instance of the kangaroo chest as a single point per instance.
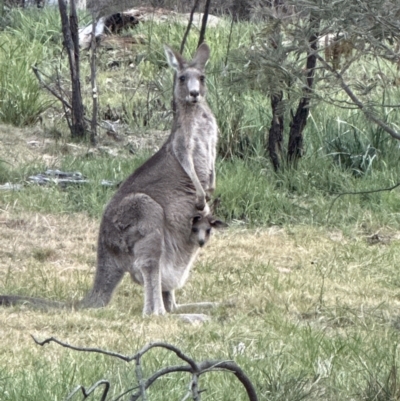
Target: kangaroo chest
(201, 134)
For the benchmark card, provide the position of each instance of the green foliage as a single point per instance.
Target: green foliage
(34, 25)
(22, 101)
(250, 191)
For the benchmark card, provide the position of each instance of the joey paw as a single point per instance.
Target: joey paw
(201, 204)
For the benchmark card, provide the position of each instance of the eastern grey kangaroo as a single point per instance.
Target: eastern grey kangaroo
(149, 227)
(202, 224)
(194, 133)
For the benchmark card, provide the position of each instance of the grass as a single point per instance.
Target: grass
(314, 283)
(316, 305)
(315, 309)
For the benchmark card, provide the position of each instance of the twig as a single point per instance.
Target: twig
(51, 90)
(86, 393)
(372, 191)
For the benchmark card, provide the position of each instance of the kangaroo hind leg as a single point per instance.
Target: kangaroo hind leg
(109, 273)
(147, 264)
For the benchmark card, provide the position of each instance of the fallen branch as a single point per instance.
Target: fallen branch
(192, 367)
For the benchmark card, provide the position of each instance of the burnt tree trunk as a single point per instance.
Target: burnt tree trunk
(275, 137)
(71, 43)
(299, 120)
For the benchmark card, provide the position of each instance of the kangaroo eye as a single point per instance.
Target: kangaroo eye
(202, 78)
(208, 231)
(182, 78)
(195, 229)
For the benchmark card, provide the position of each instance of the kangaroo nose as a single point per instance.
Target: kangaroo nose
(201, 242)
(194, 93)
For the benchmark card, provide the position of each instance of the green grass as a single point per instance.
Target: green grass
(297, 336)
(249, 191)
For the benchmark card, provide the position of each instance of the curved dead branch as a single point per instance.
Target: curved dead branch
(192, 367)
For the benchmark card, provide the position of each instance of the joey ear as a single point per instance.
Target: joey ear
(217, 224)
(201, 57)
(175, 60)
(196, 218)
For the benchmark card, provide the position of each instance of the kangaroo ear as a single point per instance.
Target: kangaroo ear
(201, 57)
(217, 224)
(175, 60)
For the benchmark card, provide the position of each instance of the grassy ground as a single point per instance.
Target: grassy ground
(315, 316)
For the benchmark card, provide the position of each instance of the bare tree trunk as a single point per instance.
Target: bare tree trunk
(93, 53)
(189, 25)
(299, 120)
(183, 43)
(204, 23)
(71, 43)
(275, 137)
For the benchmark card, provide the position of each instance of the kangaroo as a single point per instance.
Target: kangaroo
(155, 223)
(202, 225)
(195, 132)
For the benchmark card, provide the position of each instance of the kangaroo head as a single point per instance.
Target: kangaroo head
(190, 86)
(201, 228)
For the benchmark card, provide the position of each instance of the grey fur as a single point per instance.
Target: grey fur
(149, 227)
(195, 133)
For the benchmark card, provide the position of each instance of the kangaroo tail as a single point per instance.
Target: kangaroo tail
(10, 300)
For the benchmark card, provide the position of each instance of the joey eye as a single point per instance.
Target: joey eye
(195, 230)
(208, 231)
(182, 78)
(202, 78)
